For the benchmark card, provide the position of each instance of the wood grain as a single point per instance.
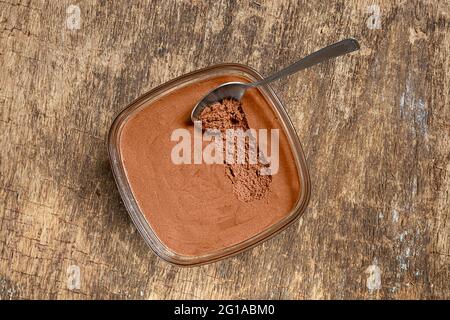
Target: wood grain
(375, 127)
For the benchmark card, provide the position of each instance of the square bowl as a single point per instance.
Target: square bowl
(130, 197)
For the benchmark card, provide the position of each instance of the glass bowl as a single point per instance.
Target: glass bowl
(131, 204)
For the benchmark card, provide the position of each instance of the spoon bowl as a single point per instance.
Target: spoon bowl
(229, 90)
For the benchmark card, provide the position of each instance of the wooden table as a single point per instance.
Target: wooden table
(375, 127)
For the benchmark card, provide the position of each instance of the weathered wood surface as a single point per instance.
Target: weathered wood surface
(375, 127)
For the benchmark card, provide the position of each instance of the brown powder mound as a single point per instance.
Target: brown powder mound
(227, 114)
(248, 184)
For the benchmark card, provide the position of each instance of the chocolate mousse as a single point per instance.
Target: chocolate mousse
(198, 209)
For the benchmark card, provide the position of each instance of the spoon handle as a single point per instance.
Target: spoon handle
(332, 51)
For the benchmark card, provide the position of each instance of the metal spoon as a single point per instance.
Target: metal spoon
(235, 90)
